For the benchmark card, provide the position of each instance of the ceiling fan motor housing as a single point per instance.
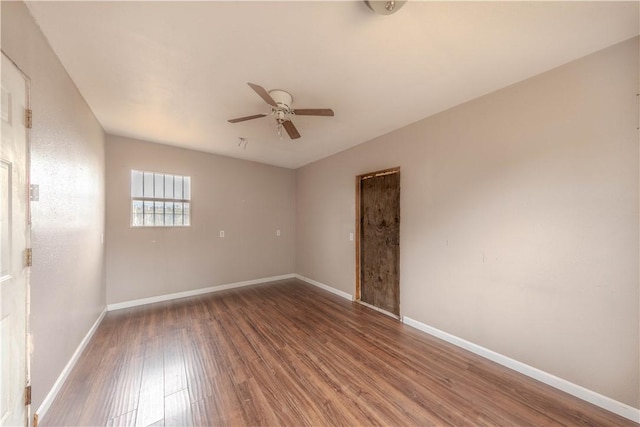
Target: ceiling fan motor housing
(283, 99)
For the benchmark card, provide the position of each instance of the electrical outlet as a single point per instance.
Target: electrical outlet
(221, 233)
(278, 233)
(351, 237)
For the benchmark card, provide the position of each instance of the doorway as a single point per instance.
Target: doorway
(14, 239)
(378, 240)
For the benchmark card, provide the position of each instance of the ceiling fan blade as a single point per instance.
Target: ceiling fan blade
(242, 119)
(263, 94)
(291, 129)
(313, 112)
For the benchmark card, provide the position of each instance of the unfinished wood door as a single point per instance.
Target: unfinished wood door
(14, 239)
(379, 238)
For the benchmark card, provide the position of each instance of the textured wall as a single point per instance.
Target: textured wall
(67, 162)
(519, 220)
(248, 200)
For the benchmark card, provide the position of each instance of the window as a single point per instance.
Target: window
(160, 200)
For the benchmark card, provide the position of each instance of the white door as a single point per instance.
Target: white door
(14, 235)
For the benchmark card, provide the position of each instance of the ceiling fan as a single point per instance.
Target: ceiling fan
(280, 102)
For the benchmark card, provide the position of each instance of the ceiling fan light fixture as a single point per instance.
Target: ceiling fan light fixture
(385, 7)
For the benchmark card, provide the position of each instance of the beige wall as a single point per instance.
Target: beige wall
(248, 200)
(67, 162)
(519, 220)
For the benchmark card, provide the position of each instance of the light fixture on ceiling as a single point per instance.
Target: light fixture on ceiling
(385, 7)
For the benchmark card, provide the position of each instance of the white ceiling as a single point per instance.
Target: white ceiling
(174, 72)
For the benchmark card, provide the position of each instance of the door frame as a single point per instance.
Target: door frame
(359, 179)
(28, 340)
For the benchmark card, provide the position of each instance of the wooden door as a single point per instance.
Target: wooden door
(14, 239)
(379, 240)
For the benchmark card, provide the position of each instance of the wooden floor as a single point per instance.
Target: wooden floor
(290, 354)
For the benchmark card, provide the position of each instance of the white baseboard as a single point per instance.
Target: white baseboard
(177, 295)
(48, 400)
(590, 396)
(325, 287)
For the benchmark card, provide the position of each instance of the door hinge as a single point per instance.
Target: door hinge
(35, 420)
(28, 118)
(28, 257)
(27, 395)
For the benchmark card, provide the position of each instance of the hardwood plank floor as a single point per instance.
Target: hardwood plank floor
(287, 353)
